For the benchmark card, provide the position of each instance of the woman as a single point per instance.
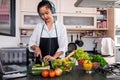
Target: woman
(49, 38)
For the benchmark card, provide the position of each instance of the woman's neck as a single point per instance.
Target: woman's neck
(50, 24)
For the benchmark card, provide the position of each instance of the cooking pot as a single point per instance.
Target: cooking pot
(72, 46)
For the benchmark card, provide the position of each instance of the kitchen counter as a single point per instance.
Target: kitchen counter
(75, 74)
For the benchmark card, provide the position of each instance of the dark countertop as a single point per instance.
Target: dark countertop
(75, 74)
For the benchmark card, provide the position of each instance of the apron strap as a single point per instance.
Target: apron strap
(42, 30)
(56, 30)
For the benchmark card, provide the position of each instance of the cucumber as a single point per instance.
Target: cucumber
(36, 72)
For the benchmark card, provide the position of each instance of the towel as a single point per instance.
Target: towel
(107, 46)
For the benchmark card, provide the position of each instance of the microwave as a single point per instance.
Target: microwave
(78, 21)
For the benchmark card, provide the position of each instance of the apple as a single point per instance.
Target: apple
(95, 64)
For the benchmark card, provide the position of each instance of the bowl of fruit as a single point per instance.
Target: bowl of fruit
(87, 62)
(87, 65)
(64, 64)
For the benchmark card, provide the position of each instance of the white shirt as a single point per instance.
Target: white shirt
(61, 34)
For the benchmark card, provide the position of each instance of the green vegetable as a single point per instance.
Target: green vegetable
(100, 59)
(81, 54)
(41, 65)
(36, 65)
(36, 72)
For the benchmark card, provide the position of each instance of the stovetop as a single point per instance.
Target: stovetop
(112, 70)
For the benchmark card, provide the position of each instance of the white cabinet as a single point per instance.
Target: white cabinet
(117, 18)
(30, 20)
(31, 5)
(68, 7)
(78, 21)
(117, 26)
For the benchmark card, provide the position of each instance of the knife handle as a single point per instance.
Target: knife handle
(51, 66)
(38, 60)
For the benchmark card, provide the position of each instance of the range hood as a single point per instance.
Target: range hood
(97, 3)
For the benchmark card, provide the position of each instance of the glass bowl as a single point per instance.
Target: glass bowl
(89, 67)
(65, 64)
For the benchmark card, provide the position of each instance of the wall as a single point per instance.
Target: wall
(88, 42)
(8, 41)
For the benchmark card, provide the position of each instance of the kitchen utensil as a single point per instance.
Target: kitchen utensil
(81, 43)
(38, 60)
(72, 46)
(77, 41)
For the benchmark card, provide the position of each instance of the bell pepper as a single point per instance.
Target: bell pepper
(87, 65)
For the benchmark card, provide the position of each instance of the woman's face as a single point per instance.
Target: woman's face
(46, 14)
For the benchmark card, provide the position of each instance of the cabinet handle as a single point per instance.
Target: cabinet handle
(76, 26)
(116, 26)
(77, 12)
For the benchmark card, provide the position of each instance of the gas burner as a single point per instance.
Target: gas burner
(112, 70)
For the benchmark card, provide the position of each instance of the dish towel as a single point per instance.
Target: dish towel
(107, 46)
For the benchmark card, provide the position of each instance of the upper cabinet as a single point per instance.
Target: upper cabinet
(68, 7)
(78, 21)
(117, 18)
(31, 5)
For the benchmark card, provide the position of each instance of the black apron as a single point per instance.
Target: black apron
(49, 45)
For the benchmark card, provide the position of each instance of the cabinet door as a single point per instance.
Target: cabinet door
(117, 18)
(78, 21)
(31, 5)
(68, 7)
(30, 20)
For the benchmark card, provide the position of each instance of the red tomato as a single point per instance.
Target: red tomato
(80, 62)
(51, 73)
(45, 73)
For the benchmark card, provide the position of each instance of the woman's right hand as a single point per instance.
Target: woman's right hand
(37, 51)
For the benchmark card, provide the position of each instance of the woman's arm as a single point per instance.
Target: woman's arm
(37, 50)
(34, 40)
(62, 40)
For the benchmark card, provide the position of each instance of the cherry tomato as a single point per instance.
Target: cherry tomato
(45, 73)
(51, 73)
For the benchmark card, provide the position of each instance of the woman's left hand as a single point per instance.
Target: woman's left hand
(48, 58)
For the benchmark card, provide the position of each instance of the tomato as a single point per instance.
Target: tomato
(58, 72)
(51, 73)
(80, 62)
(45, 73)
